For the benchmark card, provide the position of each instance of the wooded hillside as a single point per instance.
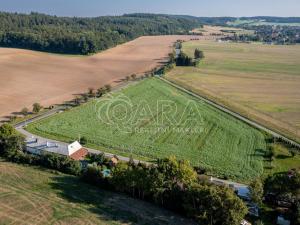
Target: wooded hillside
(73, 35)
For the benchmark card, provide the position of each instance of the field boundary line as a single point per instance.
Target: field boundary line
(230, 112)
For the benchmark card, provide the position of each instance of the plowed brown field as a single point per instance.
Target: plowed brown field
(28, 76)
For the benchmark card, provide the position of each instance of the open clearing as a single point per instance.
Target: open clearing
(31, 195)
(28, 76)
(153, 119)
(261, 82)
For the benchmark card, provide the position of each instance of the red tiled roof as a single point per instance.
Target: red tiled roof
(80, 154)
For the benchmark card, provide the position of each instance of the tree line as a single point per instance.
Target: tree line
(84, 35)
(174, 185)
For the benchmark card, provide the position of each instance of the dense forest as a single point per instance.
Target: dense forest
(73, 35)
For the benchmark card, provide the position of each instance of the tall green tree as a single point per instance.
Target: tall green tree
(11, 141)
(36, 107)
(214, 205)
(256, 191)
(198, 54)
(25, 111)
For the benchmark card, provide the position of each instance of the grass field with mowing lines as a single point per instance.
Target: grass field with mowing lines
(30, 195)
(184, 127)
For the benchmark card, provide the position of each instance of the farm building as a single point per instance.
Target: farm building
(74, 150)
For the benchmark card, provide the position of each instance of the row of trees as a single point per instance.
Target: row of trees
(92, 93)
(174, 185)
(84, 35)
(36, 108)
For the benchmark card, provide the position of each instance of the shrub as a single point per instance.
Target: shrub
(25, 111)
(133, 76)
(91, 92)
(100, 92)
(83, 140)
(60, 163)
(36, 107)
(213, 205)
(198, 54)
(107, 87)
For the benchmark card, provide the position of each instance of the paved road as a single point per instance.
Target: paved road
(234, 114)
(41, 116)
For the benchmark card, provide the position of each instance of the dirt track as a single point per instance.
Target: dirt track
(28, 76)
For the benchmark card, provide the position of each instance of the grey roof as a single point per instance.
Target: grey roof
(37, 146)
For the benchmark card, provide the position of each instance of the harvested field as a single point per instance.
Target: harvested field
(152, 119)
(28, 76)
(31, 195)
(211, 32)
(259, 81)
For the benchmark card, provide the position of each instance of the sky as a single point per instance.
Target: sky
(92, 8)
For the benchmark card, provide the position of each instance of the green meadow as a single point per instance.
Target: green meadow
(153, 120)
